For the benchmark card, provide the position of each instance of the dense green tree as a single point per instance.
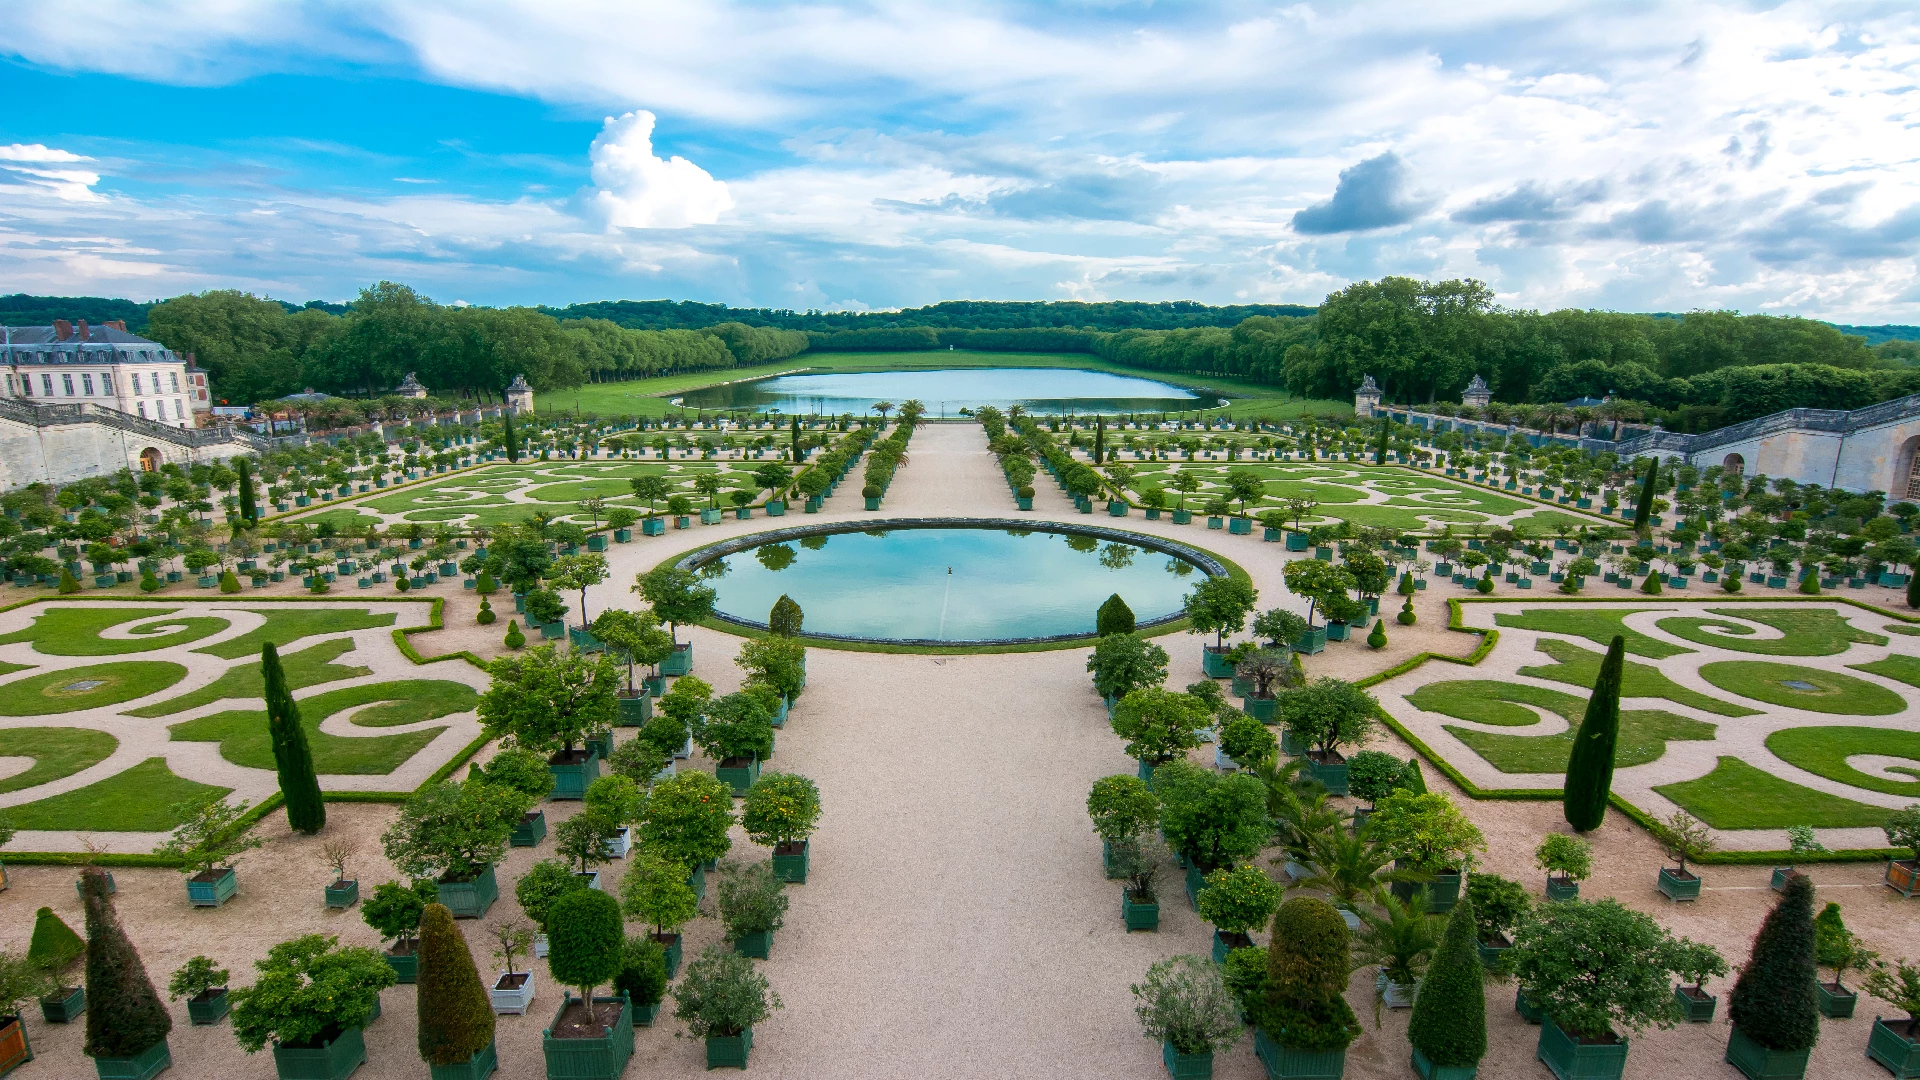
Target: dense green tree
(292, 756)
(1114, 617)
(1774, 1001)
(455, 1014)
(1590, 764)
(1449, 1022)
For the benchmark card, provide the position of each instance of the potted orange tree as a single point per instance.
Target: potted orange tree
(781, 812)
(394, 911)
(1235, 901)
(655, 890)
(311, 1003)
(1593, 968)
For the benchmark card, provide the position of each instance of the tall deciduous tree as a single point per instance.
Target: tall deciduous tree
(292, 757)
(1590, 764)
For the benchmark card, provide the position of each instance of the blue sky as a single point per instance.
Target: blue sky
(1658, 155)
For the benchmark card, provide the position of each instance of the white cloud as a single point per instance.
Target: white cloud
(636, 189)
(37, 152)
(26, 171)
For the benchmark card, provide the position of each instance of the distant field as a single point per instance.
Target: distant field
(650, 397)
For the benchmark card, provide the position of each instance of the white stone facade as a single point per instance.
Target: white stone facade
(520, 396)
(105, 366)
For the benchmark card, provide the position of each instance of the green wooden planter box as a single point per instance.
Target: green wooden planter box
(1216, 663)
(1569, 1059)
(1196, 883)
(64, 1006)
(635, 710)
(776, 508)
(1443, 892)
(1289, 1063)
(1696, 1010)
(478, 1067)
(792, 867)
(343, 894)
(1023, 503)
(1183, 517)
(1312, 642)
(406, 966)
(1136, 915)
(597, 542)
(1678, 888)
(1262, 709)
(872, 503)
(470, 899)
(645, 1015)
(729, 1051)
(1756, 1062)
(1836, 1005)
(1333, 774)
(531, 830)
(653, 527)
(1899, 1053)
(1524, 1006)
(622, 536)
(1239, 526)
(1186, 1066)
(757, 945)
(680, 661)
(1298, 542)
(1562, 888)
(329, 1061)
(150, 1062)
(697, 881)
(670, 944)
(1338, 631)
(601, 745)
(1427, 1070)
(210, 1008)
(570, 779)
(740, 778)
(604, 1058)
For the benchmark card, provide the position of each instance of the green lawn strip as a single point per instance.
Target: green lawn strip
(1392, 517)
(1902, 629)
(1904, 669)
(287, 625)
(1736, 795)
(1596, 626)
(141, 799)
(56, 752)
(243, 740)
(1575, 665)
(1808, 631)
(1823, 751)
(1548, 520)
(308, 667)
(8, 669)
(123, 680)
(1487, 702)
(341, 519)
(1643, 737)
(1832, 693)
(75, 631)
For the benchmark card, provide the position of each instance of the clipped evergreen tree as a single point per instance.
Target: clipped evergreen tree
(68, 583)
(1412, 779)
(1913, 591)
(456, 1016)
(229, 582)
(1652, 586)
(1308, 965)
(585, 937)
(1810, 584)
(786, 617)
(508, 438)
(249, 509)
(292, 757)
(54, 946)
(1643, 508)
(1380, 450)
(1449, 1024)
(515, 639)
(1774, 1001)
(1590, 765)
(125, 1017)
(1099, 440)
(1115, 617)
(1378, 639)
(485, 614)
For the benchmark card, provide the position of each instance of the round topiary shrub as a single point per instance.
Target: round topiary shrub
(515, 639)
(486, 614)
(1026, 492)
(1486, 583)
(871, 491)
(1730, 583)
(1378, 639)
(1308, 965)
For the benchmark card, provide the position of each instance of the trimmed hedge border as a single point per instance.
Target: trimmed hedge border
(1491, 636)
(276, 800)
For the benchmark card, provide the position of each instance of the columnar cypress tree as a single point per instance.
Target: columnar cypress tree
(306, 812)
(1449, 1021)
(1380, 452)
(1913, 591)
(1643, 509)
(796, 440)
(456, 1017)
(1590, 765)
(1774, 1001)
(249, 510)
(1114, 617)
(1099, 439)
(508, 437)
(125, 1017)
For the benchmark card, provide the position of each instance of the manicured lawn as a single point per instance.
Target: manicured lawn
(1487, 702)
(1575, 665)
(1827, 691)
(1824, 751)
(308, 667)
(75, 631)
(243, 740)
(1599, 626)
(1643, 737)
(8, 669)
(1904, 669)
(56, 752)
(1902, 629)
(75, 689)
(1736, 795)
(1808, 631)
(142, 799)
(287, 625)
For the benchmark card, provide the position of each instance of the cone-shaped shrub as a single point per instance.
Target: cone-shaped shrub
(456, 1016)
(1652, 586)
(786, 617)
(1307, 968)
(1774, 1001)
(1449, 1021)
(1810, 585)
(124, 1015)
(292, 757)
(1590, 765)
(228, 582)
(1115, 617)
(68, 583)
(148, 582)
(1643, 509)
(1913, 591)
(1378, 639)
(1731, 583)
(54, 946)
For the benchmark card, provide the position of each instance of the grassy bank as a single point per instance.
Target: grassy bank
(651, 397)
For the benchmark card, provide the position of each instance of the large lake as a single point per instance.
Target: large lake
(960, 584)
(946, 391)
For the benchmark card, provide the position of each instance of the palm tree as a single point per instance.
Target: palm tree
(1582, 416)
(883, 408)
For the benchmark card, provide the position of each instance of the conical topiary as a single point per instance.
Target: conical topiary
(1590, 764)
(515, 639)
(54, 946)
(456, 1017)
(292, 757)
(1114, 617)
(1643, 508)
(1913, 591)
(1378, 639)
(68, 583)
(1774, 1001)
(1449, 1025)
(1731, 583)
(1810, 583)
(149, 582)
(125, 1018)
(1652, 586)
(229, 583)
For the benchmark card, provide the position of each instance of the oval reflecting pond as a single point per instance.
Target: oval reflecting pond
(964, 584)
(946, 391)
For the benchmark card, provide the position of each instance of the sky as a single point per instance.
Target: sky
(1661, 155)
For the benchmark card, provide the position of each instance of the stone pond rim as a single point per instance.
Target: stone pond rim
(699, 557)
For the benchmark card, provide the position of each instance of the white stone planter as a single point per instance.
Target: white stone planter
(593, 879)
(618, 846)
(540, 946)
(1392, 994)
(687, 750)
(1222, 762)
(513, 1001)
